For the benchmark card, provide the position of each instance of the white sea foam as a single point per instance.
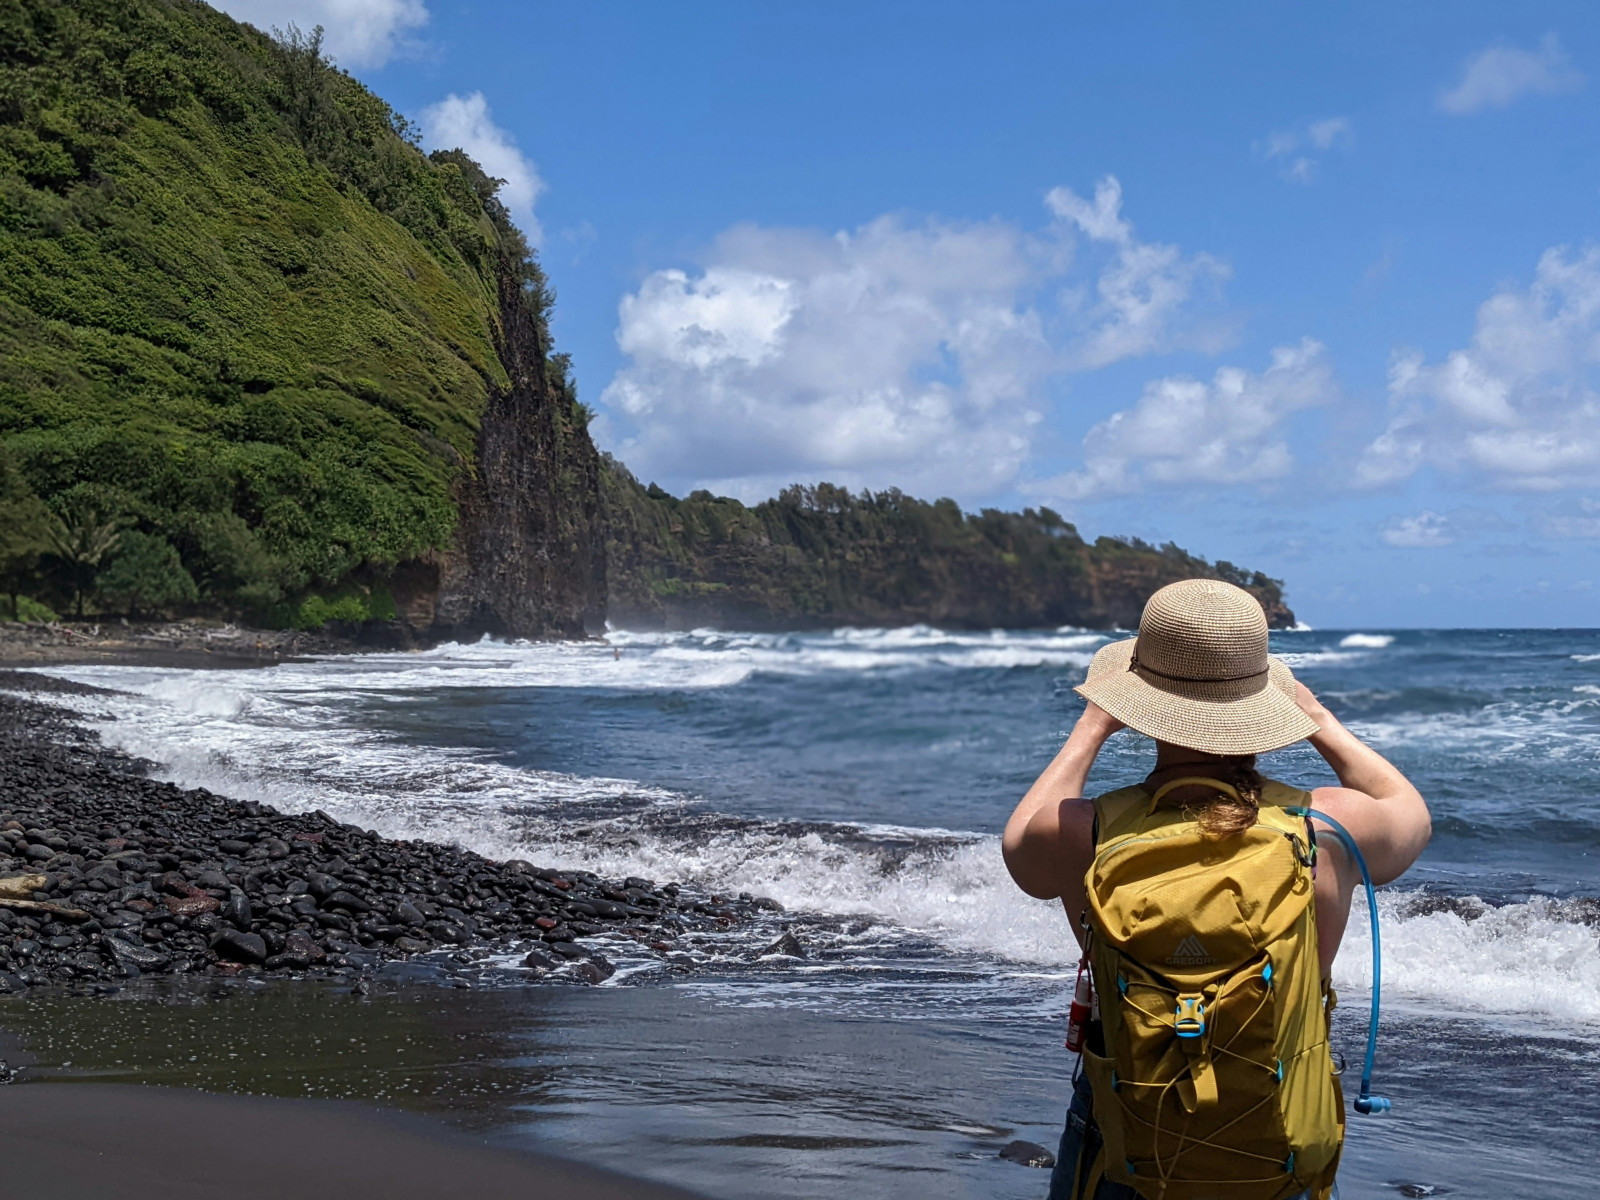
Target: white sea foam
(1533, 958)
(1366, 641)
(1555, 728)
(1586, 658)
(627, 661)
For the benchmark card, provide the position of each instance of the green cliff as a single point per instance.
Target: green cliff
(250, 331)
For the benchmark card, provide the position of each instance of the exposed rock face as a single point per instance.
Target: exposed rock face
(529, 559)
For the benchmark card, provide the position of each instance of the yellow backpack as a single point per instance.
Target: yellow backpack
(1214, 1078)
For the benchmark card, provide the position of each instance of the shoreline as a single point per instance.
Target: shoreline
(107, 874)
(202, 643)
(183, 644)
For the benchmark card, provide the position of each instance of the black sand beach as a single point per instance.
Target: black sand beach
(109, 879)
(119, 1142)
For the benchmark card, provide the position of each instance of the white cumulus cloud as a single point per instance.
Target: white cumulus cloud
(465, 123)
(902, 353)
(1186, 432)
(1425, 529)
(1518, 408)
(1496, 77)
(356, 33)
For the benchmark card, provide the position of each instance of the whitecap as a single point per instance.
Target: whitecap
(1366, 641)
(1319, 658)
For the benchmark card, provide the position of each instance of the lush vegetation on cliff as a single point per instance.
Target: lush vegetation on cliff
(825, 556)
(247, 328)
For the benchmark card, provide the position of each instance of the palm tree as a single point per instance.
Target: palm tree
(82, 540)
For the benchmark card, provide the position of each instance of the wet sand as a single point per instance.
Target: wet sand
(124, 1142)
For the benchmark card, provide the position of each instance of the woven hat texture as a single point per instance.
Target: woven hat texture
(1199, 675)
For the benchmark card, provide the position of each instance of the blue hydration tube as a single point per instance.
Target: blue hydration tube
(1366, 1103)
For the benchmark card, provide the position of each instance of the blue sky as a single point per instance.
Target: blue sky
(1311, 288)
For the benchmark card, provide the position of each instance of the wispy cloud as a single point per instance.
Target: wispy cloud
(1501, 74)
(356, 33)
(1579, 519)
(1426, 529)
(1140, 292)
(1296, 151)
(465, 123)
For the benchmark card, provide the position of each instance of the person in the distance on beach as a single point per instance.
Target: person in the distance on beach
(1209, 907)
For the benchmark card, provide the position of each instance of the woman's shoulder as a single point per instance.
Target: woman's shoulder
(1283, 795)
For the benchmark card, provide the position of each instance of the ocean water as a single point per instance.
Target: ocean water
(860, 778)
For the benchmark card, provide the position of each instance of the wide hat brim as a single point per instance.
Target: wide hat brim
(1268, 719)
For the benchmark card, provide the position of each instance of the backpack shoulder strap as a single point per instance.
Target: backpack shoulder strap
(1275, 798)
(1115, 813)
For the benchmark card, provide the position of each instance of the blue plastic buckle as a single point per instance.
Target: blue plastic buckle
(1191, 1019)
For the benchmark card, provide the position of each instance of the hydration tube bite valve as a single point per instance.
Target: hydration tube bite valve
(1365, 1103)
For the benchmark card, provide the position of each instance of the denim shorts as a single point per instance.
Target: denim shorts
(1080, 1142)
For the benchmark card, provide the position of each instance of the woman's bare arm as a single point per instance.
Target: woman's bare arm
(1385, 814)
(1049, 829)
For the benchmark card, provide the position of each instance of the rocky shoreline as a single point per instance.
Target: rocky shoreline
(106, 875)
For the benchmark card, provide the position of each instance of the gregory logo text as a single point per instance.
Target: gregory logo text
(1190, 953)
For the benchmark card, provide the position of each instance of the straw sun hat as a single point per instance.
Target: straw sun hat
(1199, 675)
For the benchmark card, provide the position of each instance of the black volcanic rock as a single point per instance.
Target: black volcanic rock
(146, 886)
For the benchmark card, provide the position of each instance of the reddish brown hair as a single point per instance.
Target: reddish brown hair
(1222, 815)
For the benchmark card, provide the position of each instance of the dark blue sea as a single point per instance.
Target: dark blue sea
(860, 778)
